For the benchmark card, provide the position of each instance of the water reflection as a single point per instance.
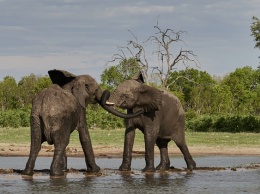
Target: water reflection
(68, 184)
(113, 181)
(147, 182)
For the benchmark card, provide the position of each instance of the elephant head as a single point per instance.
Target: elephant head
(134, 94)
(83, 87)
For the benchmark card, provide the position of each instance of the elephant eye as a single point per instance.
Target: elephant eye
(87, 87)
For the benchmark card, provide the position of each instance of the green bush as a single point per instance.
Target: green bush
(14, 118)
(200, 124)
(234, 123)
(191, 115)
(97, 117)
(251, 124)
(25, 117)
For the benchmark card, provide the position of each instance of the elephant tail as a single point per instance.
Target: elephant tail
(47, 131)
(38, 120)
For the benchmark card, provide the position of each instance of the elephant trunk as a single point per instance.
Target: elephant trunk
(99, 95)
(103, 103)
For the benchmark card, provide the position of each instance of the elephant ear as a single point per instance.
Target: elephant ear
(138, 77)
(61, 77)
(149, 98)
(80, 93)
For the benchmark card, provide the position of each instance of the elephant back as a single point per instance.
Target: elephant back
(56, 108)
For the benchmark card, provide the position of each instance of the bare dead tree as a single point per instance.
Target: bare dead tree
(164, 39)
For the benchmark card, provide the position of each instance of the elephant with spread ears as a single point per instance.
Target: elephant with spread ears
(161, 120)
(56, 112)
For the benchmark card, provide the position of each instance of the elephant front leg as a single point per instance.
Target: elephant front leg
(128, 147)
(85, 141)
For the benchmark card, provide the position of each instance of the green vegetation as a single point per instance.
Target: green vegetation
(207, 123)
(115, 137)
(255, 29)
(212, 104)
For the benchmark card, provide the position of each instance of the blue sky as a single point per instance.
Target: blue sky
(81, 36)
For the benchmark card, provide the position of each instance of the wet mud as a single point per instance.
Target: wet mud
(108, 171)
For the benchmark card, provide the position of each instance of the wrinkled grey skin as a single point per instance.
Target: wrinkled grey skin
(162, 122)
(56, 112)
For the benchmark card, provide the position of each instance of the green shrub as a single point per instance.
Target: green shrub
(14, 118)
(251, 124)
(25, 117)
(97, 117)
(191, 115)
(200, 124)
(233, 123)
(9, 118)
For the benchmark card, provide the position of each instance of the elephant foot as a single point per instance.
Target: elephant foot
(163, 166)
(57, 174)
(64, 168)
(125, 167)
(149, 169)
(27, 172)
(191, 166)
(93, 169)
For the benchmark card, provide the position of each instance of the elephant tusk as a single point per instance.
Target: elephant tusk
(109, 103)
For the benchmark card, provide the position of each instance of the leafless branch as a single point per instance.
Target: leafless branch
(168, 60)
(179, 78)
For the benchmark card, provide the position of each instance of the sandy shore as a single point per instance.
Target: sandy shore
(110, 151)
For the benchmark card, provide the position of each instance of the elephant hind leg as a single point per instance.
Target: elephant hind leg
(179, 138)
(164, 157)
(64, 162)
(59, 162)
(191, 164)
(36, 141)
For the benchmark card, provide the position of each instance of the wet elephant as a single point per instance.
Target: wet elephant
(162, 121)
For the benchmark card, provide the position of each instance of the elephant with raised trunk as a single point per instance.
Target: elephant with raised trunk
(56, 112)
(161, 120)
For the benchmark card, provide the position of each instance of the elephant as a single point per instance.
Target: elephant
(56, 112)
(161, 120)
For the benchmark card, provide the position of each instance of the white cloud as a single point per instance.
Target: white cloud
(137, 10)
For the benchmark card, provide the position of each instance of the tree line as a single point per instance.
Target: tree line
(211, 103)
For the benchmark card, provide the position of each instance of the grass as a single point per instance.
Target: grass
(116, 138)
(223, 139)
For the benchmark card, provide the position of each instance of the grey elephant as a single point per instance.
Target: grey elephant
(162, 120)
(56, 112)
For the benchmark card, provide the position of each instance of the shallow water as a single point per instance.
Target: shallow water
(240, 180)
